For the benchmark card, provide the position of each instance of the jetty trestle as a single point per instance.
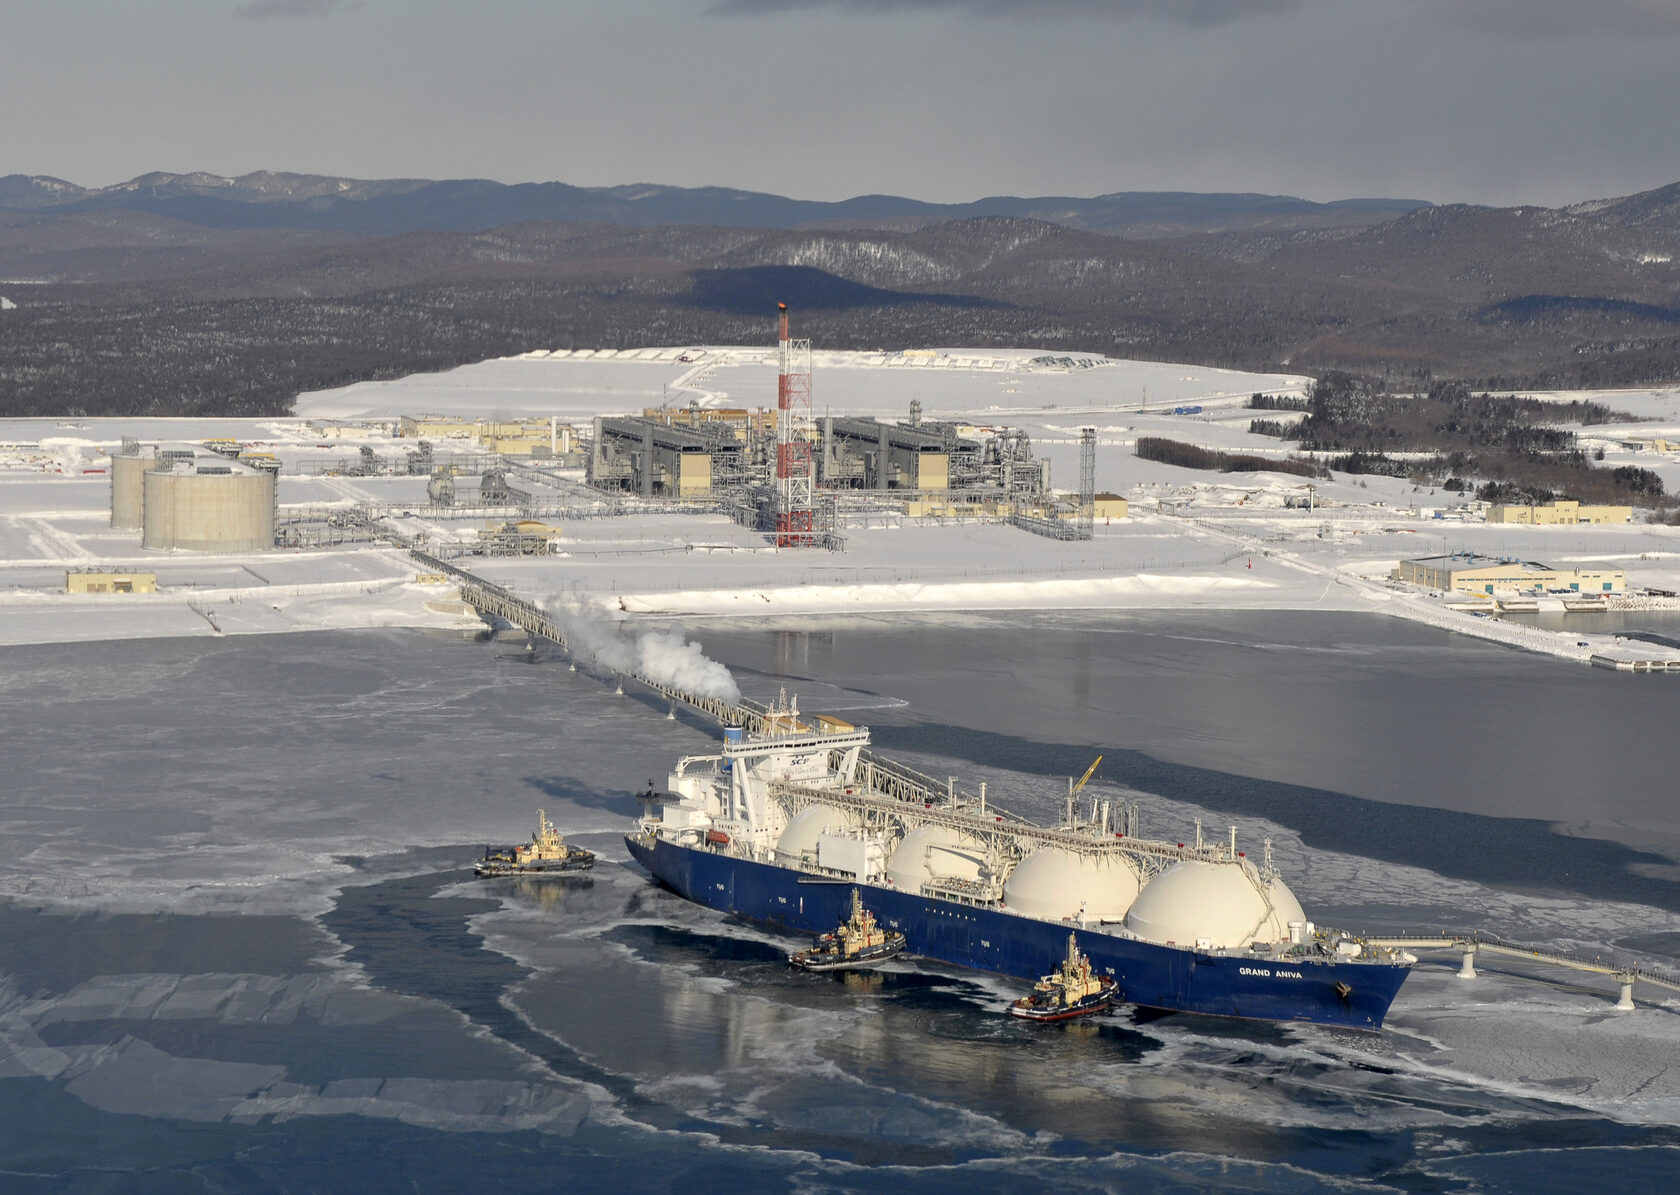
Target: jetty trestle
(1469, 945)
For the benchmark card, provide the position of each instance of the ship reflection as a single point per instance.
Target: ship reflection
(550, 892)
(864, 983)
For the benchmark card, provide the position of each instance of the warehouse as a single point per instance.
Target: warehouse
(1563, 512)
(1467, 572)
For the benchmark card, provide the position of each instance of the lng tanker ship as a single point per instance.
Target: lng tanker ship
(790, 816)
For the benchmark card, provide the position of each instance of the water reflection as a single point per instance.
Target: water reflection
(548, 892)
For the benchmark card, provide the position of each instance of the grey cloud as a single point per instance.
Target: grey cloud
(291, 8)
(1175, 12)
(1546, 20)
(1511, 20)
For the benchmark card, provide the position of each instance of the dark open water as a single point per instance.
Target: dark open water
(357, 1014)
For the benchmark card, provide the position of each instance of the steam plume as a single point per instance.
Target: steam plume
(662, 656)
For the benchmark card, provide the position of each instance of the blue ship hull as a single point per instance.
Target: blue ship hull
(1152, 976)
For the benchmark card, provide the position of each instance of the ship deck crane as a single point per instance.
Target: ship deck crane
(1074, 789)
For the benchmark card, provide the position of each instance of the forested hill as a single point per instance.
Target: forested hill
(122, 309)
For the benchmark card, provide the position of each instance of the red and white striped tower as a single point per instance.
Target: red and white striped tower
(795, 510)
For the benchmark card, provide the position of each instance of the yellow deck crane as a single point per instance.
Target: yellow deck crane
(1073, 790)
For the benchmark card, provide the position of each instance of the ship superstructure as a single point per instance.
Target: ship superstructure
(792, 813)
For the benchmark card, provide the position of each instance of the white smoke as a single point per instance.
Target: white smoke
(663, 656)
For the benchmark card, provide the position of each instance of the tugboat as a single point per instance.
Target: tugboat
(1070, 991)
(858, 942)
(545, 854)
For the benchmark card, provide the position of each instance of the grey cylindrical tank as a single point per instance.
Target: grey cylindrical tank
(127, 487)
(228, 510)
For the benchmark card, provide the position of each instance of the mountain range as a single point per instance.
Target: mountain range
(178, 293)
(382, 207)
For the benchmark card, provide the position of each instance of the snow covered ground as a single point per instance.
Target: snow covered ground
(1194, 540)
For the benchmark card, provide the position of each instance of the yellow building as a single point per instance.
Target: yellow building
(1111, 506)
(438, 427)
(90, 581)
(534, 436)
(744, 422)
(1465, 572)
(1563, 512)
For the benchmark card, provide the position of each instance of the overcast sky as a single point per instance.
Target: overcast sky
(1486, 101)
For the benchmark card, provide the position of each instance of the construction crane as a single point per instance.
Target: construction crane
(1083, 780)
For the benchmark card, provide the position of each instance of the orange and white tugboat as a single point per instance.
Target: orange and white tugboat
(545, 854)
(859, 942)
(1070, 991)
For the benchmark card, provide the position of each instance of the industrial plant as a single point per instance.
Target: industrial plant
(798, 478)
(795, 476)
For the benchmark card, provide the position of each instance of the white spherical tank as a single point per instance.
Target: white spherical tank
(1285, 908)
(934, 851)
(214, 508)
(798, 843)
(128, 474)
(1057, 884)
(1223, 903)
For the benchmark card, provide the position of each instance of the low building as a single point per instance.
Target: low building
(538, 435)
(95, 581)
(1563, 512)
(746, 424)
(439, 427)
(1466, 572)
(1110, 506)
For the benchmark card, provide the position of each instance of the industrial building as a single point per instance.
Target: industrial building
(746, 424)
(538, 436)
(100, 581)
(523, 537)
(1563, 512)
(872, 455)
(1467, 572)
(666, 460)
(202, 507)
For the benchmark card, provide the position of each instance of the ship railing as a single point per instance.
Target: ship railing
(894, 779)
(685, 765)
(968, 892)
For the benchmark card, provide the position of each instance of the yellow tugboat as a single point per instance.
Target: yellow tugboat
(545, 854)
(1070, 991)
(859, 942)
